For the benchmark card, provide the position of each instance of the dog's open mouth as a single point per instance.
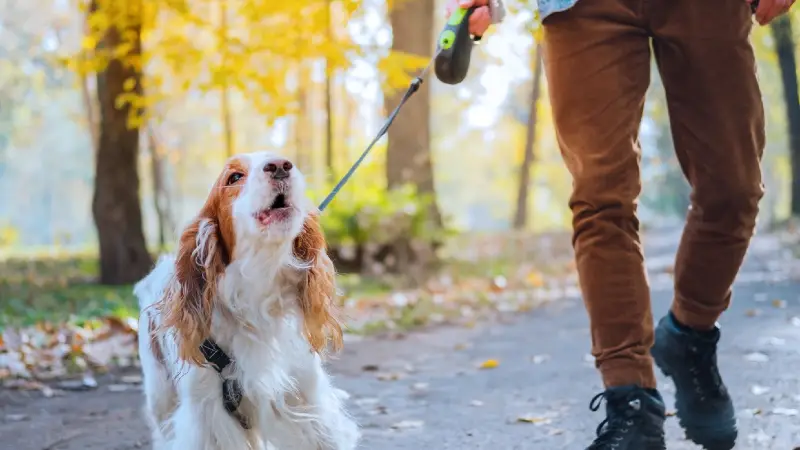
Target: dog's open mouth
(280, 202)
(277, 211)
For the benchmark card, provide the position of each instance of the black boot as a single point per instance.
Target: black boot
(634, 419)
(704, 407)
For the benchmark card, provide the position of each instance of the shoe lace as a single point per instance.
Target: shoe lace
(704, 370)
(620, 420)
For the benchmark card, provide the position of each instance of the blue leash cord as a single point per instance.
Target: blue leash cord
(414, 87)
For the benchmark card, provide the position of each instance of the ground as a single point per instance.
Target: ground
(427, 388)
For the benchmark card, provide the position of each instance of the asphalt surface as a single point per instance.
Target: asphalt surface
(425, 390)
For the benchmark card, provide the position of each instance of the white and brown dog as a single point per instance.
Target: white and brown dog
(251, 282)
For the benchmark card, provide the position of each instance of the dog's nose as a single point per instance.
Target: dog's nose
(278, 169)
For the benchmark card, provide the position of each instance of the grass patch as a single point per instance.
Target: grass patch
(56, 290)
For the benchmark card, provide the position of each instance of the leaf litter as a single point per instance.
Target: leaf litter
(49, 352)
(93, 328)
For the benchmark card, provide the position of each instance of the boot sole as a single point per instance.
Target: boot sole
(717, 444)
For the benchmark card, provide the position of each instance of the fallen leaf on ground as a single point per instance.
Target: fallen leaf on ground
(392, 376)
(28, 385)
(756, 357)
(535, 279)
(408, 424)
(366, 401)
(752, 312)
(489, 364)
(759, 390)
(781, 304)
(538, 359)
(786, 412)
(534, 420)
(499, 283)
(752, 412)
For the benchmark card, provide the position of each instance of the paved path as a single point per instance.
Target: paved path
(424, 391)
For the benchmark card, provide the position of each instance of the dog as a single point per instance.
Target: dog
(235, 326)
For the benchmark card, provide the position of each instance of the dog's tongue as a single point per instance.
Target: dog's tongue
(263, 217)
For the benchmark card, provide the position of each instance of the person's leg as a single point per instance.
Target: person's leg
(717, 118)
(597, 61)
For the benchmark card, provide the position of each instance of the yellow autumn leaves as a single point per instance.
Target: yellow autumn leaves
(489, 364)
(257, 47)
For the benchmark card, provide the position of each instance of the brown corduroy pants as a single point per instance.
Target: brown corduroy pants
(597, 60)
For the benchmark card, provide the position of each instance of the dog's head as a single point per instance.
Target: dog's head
(257, 213)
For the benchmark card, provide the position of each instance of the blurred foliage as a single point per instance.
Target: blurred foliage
(365, 218)
(8, 235)
(57, 290)
(364, 211)
(253, 46)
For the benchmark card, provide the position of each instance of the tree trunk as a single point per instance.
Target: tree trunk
(302, 131)
(161, 197)
(521, 215)
(408, 157)
(116, 205)
(785, 47)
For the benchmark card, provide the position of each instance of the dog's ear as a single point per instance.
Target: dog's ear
(317, 290)
(189, 301)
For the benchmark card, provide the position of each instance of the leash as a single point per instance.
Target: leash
(412, 89)
(451, 64)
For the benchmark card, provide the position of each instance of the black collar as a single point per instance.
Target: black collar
(231, 388)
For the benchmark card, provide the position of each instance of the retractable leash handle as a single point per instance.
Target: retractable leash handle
(455, 48)
(455, 43)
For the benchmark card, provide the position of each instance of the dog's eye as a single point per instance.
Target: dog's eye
(234, 178)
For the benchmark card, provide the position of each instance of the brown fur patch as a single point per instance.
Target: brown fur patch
(155, 342)
(203, 253)
(317, 293)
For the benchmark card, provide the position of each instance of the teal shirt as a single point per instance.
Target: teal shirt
(547, 7)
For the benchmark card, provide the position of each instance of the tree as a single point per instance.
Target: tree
(161, 197)
(521, 215)
(242, 50)
(116, 207)
(408, 157)
(785, 48)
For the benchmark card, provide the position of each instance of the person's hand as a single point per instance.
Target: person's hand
(481, 18)
(768, 10)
